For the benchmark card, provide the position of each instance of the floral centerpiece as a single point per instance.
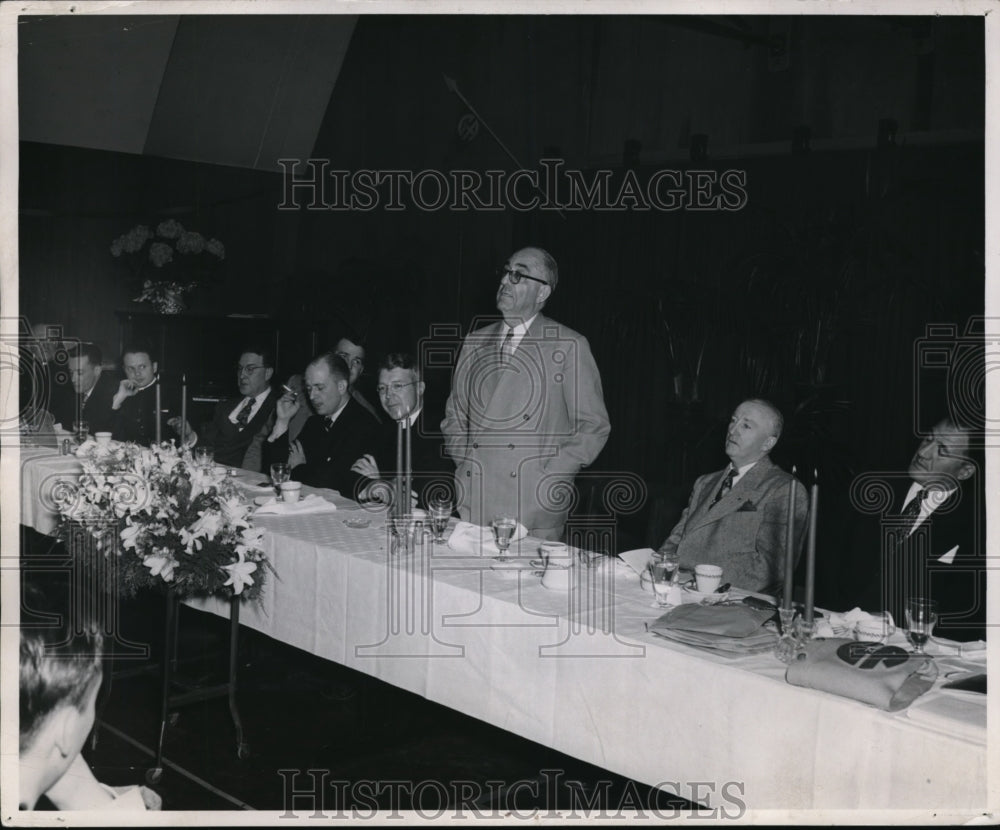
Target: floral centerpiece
(176, 253)
(165, 520)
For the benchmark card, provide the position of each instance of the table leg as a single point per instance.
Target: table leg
(154, 774)
(242, 747)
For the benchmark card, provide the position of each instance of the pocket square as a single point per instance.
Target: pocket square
(746, 507)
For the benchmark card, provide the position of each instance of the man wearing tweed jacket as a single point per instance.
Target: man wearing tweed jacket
(737, 517)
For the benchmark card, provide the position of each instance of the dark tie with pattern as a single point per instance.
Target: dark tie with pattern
(507, 348)
(725, 487)
(243, 416)
(912, 509)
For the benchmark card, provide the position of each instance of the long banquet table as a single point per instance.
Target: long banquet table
(577, 671)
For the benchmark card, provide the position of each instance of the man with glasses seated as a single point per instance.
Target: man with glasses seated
(352, 351)
(526, 410)
(401, 391)
(239, 425)
(333, 439)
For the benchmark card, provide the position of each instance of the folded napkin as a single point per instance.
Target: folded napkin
(309, 504)
(884, 676)
(847, 623)
(474, 540)
(715, 620)
(637, 559)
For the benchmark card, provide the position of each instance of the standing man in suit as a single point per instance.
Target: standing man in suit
(93, 391)
(333, 439)
(134, 402)
(737, 518)
(526, 410)
(401, 391)
(237, 422)
(932, 541)
(352, 352)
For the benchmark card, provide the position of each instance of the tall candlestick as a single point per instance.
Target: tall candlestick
(399, 469)
(184, 407)
(786, 597)
(158, 435)
(409, 465)
(811, 549)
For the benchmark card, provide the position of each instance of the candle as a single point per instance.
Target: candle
(184, 407)
(158, 411)
(399, 468)
(811, 548)
(409, 466)
(786, 598)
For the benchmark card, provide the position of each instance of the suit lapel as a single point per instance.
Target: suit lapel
(735, 498)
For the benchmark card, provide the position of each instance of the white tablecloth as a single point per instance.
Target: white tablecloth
(578, 672)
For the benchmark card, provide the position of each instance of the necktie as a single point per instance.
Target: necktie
(507, 349)
(243, 416)
(912, 510)
(725, 487)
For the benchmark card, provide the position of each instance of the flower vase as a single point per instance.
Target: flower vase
(172, 302)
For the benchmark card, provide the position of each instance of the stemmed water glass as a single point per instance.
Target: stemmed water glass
(921, 617)
(439, 510)
(204, 456)
(279, 474)
(503, 532)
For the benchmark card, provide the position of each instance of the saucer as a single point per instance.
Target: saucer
(260, 501)
(695, 595)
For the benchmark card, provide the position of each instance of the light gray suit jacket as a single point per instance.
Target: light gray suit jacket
(745, 531)
(520, 430)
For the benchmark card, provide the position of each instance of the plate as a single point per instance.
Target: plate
(513, 564)
(709, 599)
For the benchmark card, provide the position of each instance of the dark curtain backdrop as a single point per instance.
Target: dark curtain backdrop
(815, 294)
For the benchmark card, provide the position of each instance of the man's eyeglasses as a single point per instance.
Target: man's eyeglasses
(247, 370)
(516, 276)
(395, 388)
(350, 361)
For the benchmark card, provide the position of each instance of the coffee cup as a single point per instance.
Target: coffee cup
(876, 629)
(707, 578)
(102, 438)
(553, 550)
(557, 573)
(291, 491)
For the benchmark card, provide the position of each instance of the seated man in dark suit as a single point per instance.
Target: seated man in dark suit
(332, 439)
(737, 518)
(237, 423)
(401, 391)
(352, 350)
(931, 541)
(134, 403)
(93, 391)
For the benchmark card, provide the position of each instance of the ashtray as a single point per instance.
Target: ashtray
(357, 524)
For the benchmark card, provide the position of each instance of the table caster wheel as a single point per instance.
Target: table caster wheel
(154, 775)
(173, 717)
(243, 750)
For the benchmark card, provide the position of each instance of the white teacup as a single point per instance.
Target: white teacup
(291, 491)
(553, 550)
(708, 578)
(102, 438)
(557, 574)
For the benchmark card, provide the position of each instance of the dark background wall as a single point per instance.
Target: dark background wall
(815, 293)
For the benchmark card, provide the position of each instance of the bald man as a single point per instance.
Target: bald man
(526, 410)
(737, 517)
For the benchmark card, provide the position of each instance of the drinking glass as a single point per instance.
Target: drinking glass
(439, 510)
(279, 473)
(503, 532)
(81, 431)
(921, 617)
(204, 456)
(670, 562)
(661, 573)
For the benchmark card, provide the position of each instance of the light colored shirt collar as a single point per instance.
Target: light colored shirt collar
(741, 471)
(414, 415)
(932, 501)
(331, 419)
(254, 404)
(519, 330)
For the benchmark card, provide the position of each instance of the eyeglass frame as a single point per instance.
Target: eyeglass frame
(248, 370)
(395, 387)
(510, 274)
